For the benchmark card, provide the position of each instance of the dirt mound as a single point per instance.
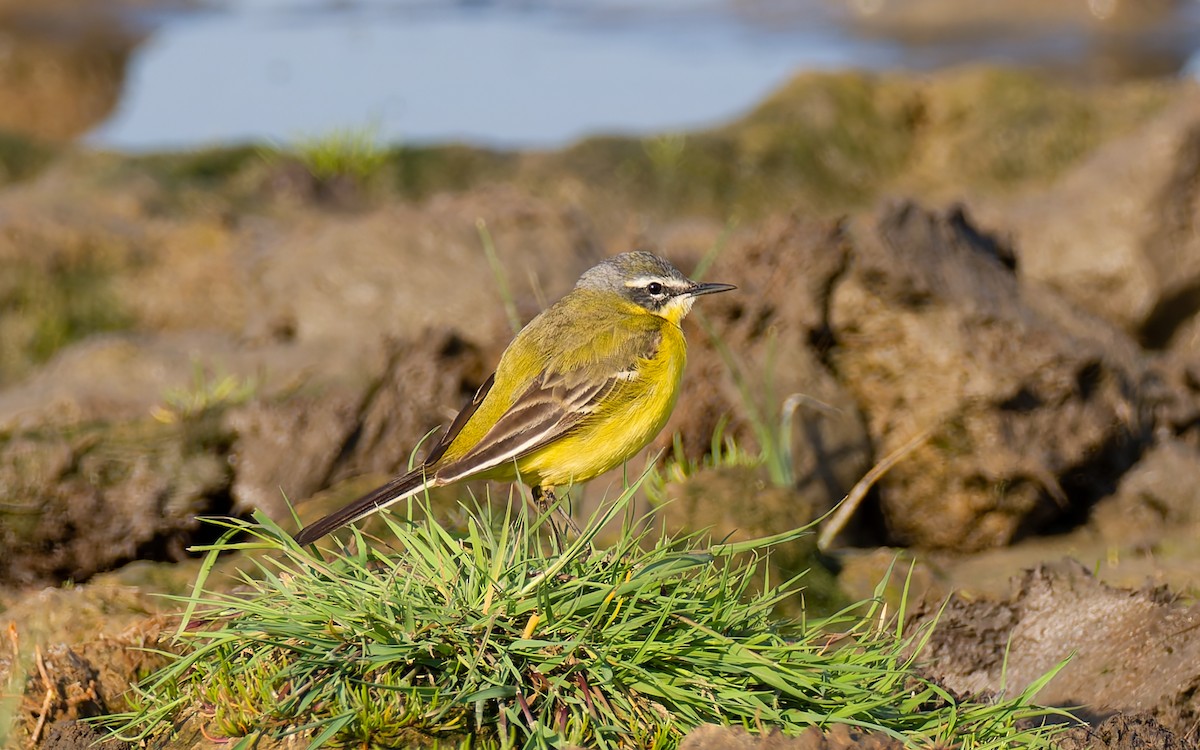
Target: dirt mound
(1033, 409)
(1117, 235)
(1126, 732)
(1128, 651)
(92, 497)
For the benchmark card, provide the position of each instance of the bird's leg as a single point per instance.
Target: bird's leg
(564, 514)
(545, 499)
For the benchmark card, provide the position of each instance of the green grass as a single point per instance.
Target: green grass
(208, 390)
(344, 152)
(479, 635)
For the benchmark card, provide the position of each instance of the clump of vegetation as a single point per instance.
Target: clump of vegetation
(482, 636)
(353, 153)
(207, 391)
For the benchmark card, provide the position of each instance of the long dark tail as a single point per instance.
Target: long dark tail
(398, 489)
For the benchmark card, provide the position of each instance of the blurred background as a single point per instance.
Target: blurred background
(141, 75)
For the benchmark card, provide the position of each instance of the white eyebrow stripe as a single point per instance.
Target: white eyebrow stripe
(642, 282)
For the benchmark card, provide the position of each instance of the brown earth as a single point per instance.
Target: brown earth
(1117, 234)
(1119, 732)
(63, 68)
(1135, 652)
(1032, 410)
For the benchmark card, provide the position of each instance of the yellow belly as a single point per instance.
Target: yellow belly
(618, 430)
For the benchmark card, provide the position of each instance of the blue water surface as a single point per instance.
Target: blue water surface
(505, 74)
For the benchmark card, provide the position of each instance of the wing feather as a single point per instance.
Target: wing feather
(554, 405)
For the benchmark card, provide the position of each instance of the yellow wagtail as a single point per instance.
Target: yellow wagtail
(580, 390)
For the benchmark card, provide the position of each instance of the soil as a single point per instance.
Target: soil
(1125, 651)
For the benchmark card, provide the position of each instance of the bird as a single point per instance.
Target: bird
(581, 389)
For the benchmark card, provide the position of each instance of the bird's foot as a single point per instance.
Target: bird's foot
(545, 500)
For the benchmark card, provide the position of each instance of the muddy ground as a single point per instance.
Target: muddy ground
(995, 271)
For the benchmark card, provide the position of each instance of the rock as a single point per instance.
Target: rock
(1130, 651)
(84, 499)
(1160, 492)
(1118, 234)
(1033, 411)
(284, 451)
(1181, 415)
(58, 82)
(1186, 338)
(72, 734)
(128, 376)
(425, 384)
(1125, 732)
(397, 419)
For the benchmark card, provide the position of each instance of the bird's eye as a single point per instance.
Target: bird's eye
(654, 288)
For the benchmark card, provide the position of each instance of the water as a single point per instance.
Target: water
(512, 74)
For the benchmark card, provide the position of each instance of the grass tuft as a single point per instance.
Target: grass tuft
(208, 391)
(355, 153)
(481, 635)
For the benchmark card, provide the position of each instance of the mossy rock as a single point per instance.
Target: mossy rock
(1000, 129)
(82, 499)
(211, 166)
(46, 306)
(835, 138)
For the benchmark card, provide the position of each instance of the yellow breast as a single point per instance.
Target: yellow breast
(629, 418)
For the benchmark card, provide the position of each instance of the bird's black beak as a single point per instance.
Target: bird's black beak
(704, 288)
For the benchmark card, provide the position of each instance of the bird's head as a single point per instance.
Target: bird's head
(649, 282)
